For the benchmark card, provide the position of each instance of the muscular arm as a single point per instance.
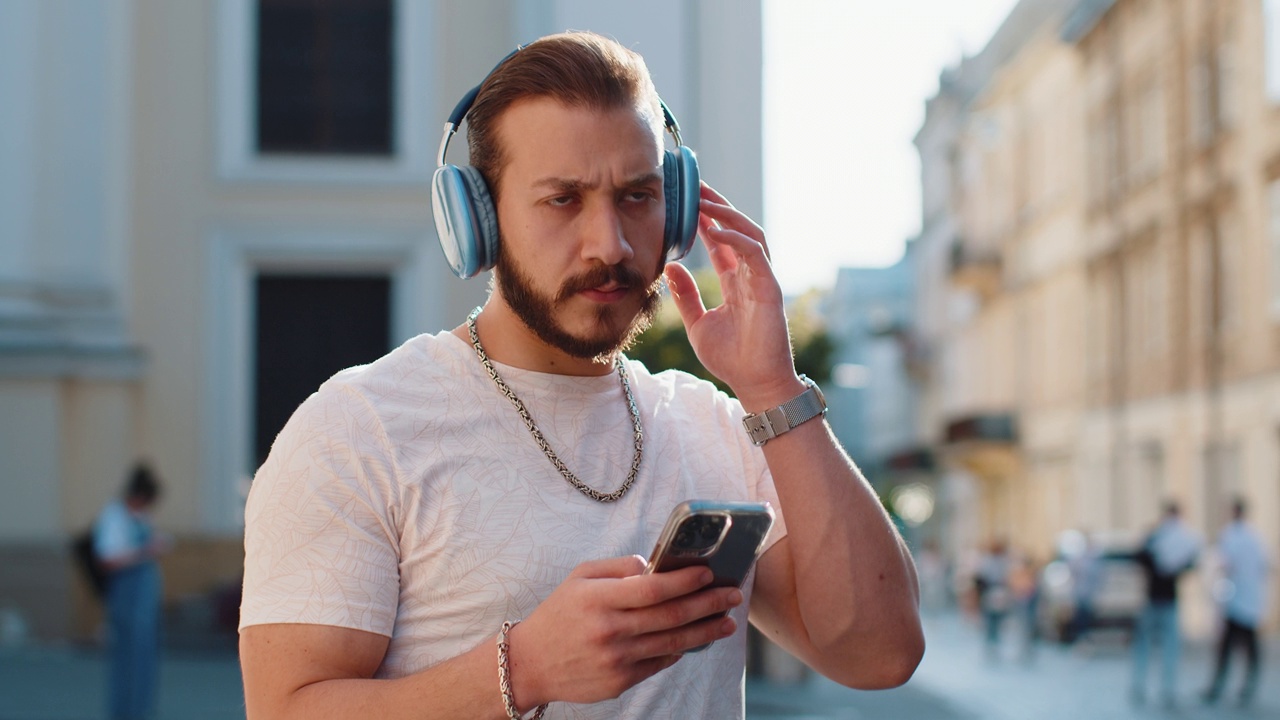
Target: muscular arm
(605, 629)
(840, 590)
(321, 671)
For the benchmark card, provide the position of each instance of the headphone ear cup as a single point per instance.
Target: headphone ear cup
(466, 220)
(682, 188)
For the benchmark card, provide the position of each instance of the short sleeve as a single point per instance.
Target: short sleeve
(321, 535)
(113, 533)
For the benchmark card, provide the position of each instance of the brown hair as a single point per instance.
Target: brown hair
(579, 69)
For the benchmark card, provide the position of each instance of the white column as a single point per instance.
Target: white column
(64, 172)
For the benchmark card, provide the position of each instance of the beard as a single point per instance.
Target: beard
(610, 333)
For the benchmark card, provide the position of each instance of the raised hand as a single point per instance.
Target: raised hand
(744, 341)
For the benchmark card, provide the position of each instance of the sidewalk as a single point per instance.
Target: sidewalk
(69, 683)
(954, 682)
(1091, 681)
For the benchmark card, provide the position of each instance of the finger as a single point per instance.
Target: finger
(684, 610)
(707, 191)
(644, 591)
(685, 293)
(744, 249)
(685, 638)
(619, 567)
(729, 216)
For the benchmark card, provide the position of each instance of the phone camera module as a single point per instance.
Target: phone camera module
(699, 535)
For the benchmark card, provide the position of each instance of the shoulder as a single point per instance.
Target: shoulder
(681, 389)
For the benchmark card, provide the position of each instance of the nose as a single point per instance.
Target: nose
(603, 237)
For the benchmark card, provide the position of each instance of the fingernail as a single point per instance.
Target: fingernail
(735, 598)
(705, 577)
(727, 626)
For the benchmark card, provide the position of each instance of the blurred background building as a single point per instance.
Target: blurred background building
(1098, 274)
(206, 208)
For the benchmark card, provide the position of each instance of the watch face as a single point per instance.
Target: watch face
(822, 399)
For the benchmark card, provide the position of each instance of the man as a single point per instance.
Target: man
(1169, 551)
(1245, 566)
(413, 507)
(127, 547)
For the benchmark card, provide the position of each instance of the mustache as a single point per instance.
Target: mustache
(622, 275)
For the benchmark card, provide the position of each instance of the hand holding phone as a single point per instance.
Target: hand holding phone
(723, 536)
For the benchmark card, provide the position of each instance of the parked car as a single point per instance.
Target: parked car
(1119, 588)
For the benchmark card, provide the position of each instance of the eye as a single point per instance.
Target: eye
(638, 196)
(560, 200)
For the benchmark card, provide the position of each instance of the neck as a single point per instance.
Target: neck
(507, 340)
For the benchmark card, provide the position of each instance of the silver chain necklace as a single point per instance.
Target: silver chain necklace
(542, 441)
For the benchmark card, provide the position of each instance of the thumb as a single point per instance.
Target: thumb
(685, 293)
(619, 567)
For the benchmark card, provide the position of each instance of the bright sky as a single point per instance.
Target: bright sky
(845, 83)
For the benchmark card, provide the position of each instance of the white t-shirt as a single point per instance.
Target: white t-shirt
(117, 532)
(407, 498)
(1246, 564)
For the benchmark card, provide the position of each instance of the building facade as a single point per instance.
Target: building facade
(207, 207)
(1114, 197)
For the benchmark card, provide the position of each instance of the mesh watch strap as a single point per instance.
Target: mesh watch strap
(763, 427)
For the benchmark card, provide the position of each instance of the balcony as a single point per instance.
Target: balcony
(911, 460)
(990, 427)
(985, 444)
(975, 269)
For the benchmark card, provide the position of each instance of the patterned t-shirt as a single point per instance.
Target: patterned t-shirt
(407, 498)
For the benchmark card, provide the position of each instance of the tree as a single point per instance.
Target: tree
(665, 345)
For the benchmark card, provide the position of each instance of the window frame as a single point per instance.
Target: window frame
(238, 159)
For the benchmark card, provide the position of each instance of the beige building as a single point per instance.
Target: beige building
(996, 279)
(195, 228)
(1117, 255)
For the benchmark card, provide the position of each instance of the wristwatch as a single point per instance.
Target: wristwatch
(765, 426)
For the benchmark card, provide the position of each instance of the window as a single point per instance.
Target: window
(324, 77)
(1147, 301)
(1200, 95)
(1151, 490)
(325, 91)
(1230, 247)
(1147, 127)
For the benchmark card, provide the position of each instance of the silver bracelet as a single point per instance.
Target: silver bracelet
(504, 676)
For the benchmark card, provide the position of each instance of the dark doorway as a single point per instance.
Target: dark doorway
(309, 327)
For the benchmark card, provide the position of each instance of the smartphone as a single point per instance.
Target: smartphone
(724, 536)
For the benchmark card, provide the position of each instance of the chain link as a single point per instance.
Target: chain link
(504, 676)
(542, 441)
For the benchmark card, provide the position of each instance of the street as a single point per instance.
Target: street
(953, 683)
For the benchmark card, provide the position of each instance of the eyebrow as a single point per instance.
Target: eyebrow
(577, 185)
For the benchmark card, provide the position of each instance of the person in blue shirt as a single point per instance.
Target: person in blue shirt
(1245, 566)
(127, 546)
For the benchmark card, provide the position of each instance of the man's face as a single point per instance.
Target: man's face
(581, 214)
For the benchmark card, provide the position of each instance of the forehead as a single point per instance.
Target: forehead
(544, 137)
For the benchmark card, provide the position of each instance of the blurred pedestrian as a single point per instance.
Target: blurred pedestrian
(1245, 566)
(931, 568)
(1086, 578)
(991, 584)
(1168, 552)
(1024, 588)
(127, 546)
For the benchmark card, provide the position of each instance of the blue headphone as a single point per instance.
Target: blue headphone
(467, 221)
